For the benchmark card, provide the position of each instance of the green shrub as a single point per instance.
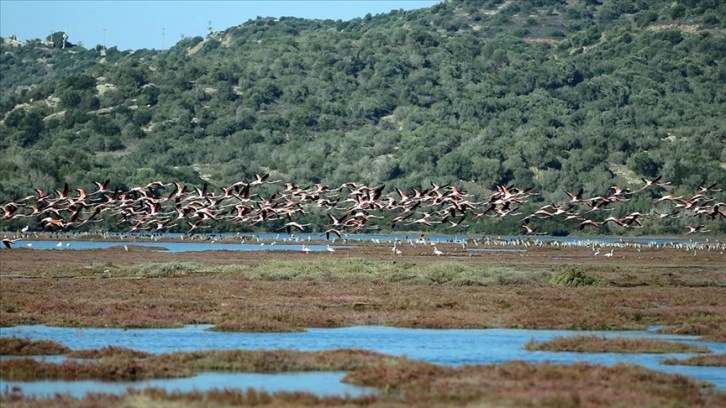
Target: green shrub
(574, 276)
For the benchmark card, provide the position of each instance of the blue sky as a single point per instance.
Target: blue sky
(138, 24)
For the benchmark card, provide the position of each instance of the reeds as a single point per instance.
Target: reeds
(708, 360)
(108, 352)
(157, 397)
(600, 344)
(689, 329)
(129, 365)
(716, 335)
(524, 384)
(404, 382)
(115, 369)
(15, 346)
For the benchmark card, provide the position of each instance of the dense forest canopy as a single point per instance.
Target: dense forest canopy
(548, 95)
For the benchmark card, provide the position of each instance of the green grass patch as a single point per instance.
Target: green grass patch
(354, 270)
(174, 268)
(362, 270)
(574, 276)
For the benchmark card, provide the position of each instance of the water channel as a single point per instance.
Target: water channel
(446, 347)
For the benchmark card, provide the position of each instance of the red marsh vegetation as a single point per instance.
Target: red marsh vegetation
(14, 346)
(405, 383)
(707, 360)
(600, 344)
(367, 285)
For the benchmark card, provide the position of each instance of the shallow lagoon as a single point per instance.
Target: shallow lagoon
(171, 246)
(447, 347)
(280, 242)
(319, 383)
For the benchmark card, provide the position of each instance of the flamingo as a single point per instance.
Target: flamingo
(694, 229)
(261, 179)
(648, 183)
(619, 191)
(290, 225)
(331, 231)
(576, 197)
(7, 242)
(667, 197)
(705, 189)
(588, 222)
(615, 220)
(102, 187)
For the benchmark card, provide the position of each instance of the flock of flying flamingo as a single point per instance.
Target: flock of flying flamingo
(350, 207)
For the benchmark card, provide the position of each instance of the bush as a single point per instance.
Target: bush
(574, 276)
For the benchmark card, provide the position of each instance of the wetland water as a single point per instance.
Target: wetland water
(446, 347)
(172, 246)
(281, 242)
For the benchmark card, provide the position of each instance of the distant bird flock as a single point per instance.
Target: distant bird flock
(350, 207)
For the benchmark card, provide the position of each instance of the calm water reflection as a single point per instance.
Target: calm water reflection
(321, 384)
(447, 347)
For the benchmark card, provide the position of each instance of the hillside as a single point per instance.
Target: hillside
(551, 96)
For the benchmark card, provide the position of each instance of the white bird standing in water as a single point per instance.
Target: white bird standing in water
(330, 249)
(395, 250)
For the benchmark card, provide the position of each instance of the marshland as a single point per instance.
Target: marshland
(633, 300)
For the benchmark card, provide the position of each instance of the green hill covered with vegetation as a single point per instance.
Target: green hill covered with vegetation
(546, 95)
